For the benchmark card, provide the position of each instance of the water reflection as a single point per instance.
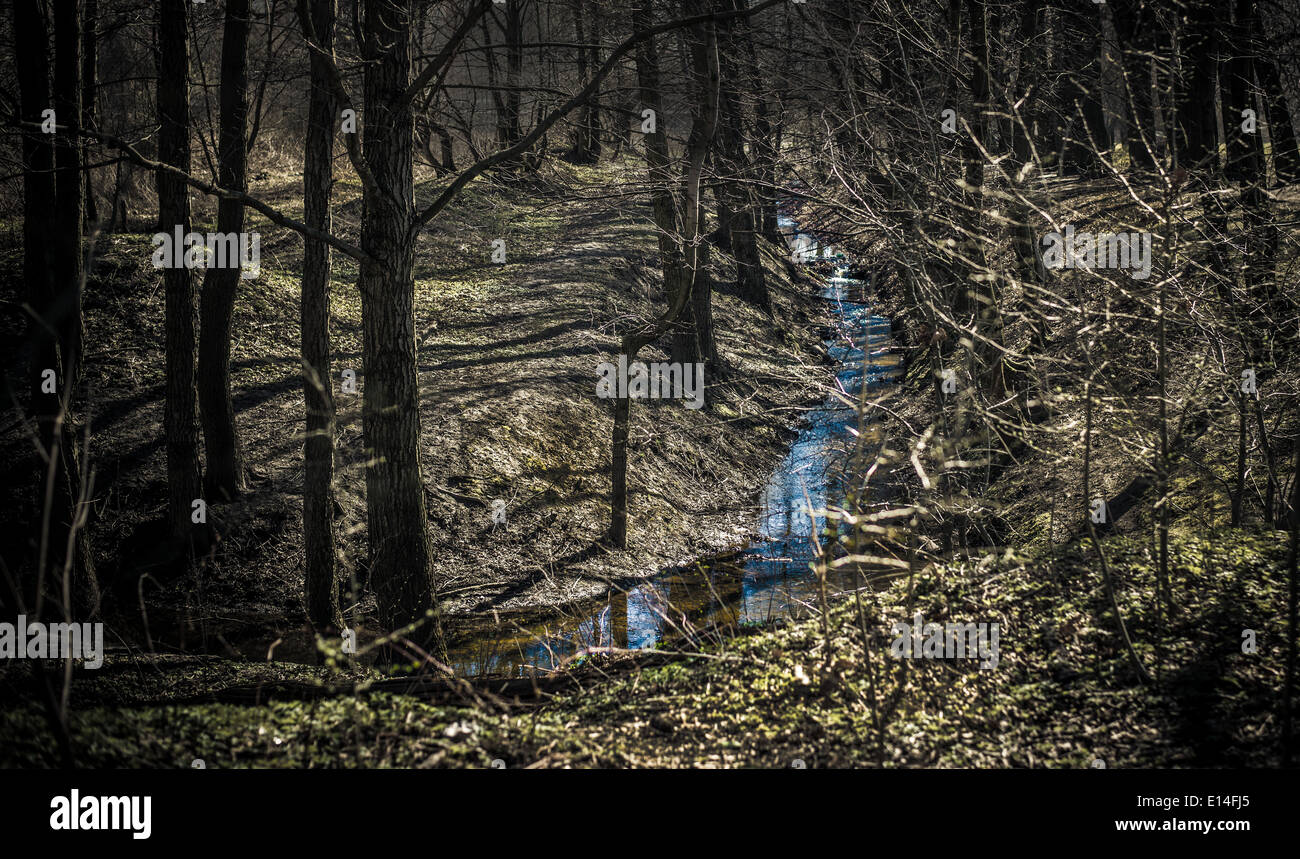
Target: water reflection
(767, 581)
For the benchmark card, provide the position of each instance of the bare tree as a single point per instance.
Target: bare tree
(224, 474)
(180, 420)
(318, 393)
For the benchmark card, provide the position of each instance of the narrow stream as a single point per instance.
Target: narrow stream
(769, 581)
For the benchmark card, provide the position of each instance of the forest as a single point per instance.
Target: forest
(627, 384)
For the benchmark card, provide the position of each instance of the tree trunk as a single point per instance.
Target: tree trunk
(45, 236)
(400, 551)
(447, 160)
(586, 136)
(514, 31)
(1292, 600)
(736, 181)
(318, 392)
(981, 291)
(89, 78)
(1113, 99)
(490, 63)
(694, 340)
(766, 150)
(31, 61)
(1281, 130)
(69, 283)
(592, 114)
(224, 478)
(1247, 168)
(68, 191)
(180, 421)
(1198, 146)
(681, 261)
(618, 471)
(1029, 262)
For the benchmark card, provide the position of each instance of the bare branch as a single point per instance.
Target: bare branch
(448, 52)
(275, 215)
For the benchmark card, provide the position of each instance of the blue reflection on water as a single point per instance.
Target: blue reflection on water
(769, 579)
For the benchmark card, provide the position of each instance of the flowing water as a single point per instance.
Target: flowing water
(770, 580)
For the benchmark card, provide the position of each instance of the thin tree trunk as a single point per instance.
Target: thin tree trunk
(1281, 129)
(68, 192)
(1198, 146)
(498, 102)
(1238, 497)
(735, 182)
(69, 281)
(224, 478)
(89, 78)
(1271, 491)
(592, 121)
(31, 55)
(514, 70)
(318, 393)
(1293, 592)
(983, 294)
(618, 471)
(267, 67)
(1162, 464)
(447, 151)
(694, 340)
(180, 419)
(681, 261)
(586, 142)
(1111, 81)
(1025, 241)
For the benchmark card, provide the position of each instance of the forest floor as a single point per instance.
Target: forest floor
(1063, 694)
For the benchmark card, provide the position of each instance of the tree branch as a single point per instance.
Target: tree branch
(273, 214)
(447, 53)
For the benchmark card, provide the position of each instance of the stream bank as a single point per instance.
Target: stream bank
(762, 576)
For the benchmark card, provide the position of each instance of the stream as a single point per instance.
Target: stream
(771, 580)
